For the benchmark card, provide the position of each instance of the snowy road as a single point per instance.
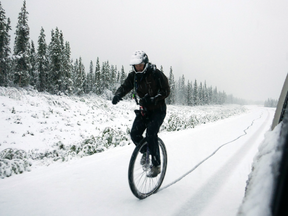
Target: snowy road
(207, 171)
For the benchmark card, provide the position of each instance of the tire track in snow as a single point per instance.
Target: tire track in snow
(211, 155)
(208, 198)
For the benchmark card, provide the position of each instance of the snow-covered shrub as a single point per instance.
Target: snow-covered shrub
(13, 161)
(112, 137)
(109, 137)
(176, 121)
(89, 146)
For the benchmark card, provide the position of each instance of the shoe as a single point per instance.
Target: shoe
(143, 159)
(154, 171)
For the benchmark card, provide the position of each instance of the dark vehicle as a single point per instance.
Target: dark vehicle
(279, 201)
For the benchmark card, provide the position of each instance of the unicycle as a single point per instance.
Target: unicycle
(141, 185)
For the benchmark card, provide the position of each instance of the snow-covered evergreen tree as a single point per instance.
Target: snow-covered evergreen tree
(104, 76)
(54, 55)
(66, 68)
(210, 95)
(195, 94)
(215, 96)
(79, 77)
(113, 78)
(21, 49)
(60, 67)
(181, 91)
(222, 97)
(42, 62)
(118, 78)
(33, 73)
(171, 98)
(5, 61)
(200, 94)
(97, 87)
(189, 94)
(122, 75)
(90, 78)
(177, 91)
(205, 94)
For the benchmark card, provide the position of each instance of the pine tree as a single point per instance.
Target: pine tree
(66, 69)
(42, 62)
(97, 87)
(180, 90)
(90, 78)
(118, 78)
(21, 49)
(210, 95)
(222, 96)
(33, 72)
(80, 78)
(195, 94)
(54, 54)
(104, 77)
(4, 48)
(215, 96)
(171, 97)
(75, 73)
(7, 55)
(113, 78)
(60, 67)
(122, 75)
(189, 94)
(205, 94)
(200, 94)
(183, 91)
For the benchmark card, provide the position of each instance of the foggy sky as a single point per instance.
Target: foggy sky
(241, 47)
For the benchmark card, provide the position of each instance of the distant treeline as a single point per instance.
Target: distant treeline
(271, 103)
(49, 68)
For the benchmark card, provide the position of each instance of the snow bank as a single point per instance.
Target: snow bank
(259, 189)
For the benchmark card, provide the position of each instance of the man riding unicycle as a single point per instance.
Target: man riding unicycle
(152, 87)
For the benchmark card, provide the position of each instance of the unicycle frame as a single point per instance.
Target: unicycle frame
(141, 185)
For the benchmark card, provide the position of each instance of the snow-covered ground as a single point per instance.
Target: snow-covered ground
(210, 154)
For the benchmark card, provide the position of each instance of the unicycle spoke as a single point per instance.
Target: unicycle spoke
(140, 184)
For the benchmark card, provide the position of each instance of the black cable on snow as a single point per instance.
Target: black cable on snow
(245, 133)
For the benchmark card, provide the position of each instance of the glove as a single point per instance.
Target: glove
(116, 99)
(146, 100)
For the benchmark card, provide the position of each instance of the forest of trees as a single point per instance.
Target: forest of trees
(48, 67)
(270, 103)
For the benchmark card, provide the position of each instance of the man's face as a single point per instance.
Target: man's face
(139, 67)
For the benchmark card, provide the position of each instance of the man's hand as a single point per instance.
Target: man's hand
(116, 99)
(146, 100)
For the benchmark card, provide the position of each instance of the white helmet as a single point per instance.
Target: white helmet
(139, 57)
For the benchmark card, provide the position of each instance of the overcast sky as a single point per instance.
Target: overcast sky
(240, 46)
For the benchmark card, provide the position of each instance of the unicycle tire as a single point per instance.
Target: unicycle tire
(141, 185)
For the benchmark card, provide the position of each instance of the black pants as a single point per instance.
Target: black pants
(151, 122)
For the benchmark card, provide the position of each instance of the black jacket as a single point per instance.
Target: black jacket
(153, 82)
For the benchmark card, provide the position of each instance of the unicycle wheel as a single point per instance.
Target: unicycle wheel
(141, 185)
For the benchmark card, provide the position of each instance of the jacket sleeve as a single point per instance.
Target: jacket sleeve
(127, 86)
(164, 89)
